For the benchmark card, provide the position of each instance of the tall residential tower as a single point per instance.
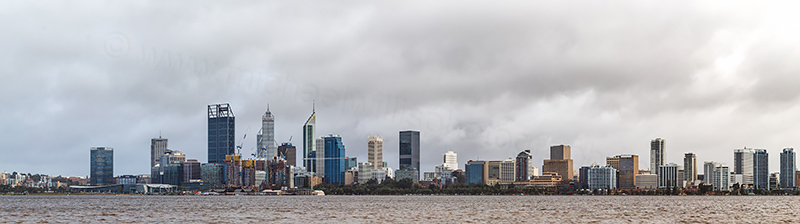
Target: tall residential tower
(375, 151)
(657, 147)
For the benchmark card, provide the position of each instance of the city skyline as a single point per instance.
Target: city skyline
(483, 80)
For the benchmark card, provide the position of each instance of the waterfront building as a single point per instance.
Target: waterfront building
(375, 151)
(476, 172)
(265, 139)
(213, 174)
(560, 162)
(602, 177)
(319, 162)
(409, 150)
(288, 152)
(309, 141)
(158, 146)
(494, 169)
(450, 158)
(381, 174)
(365, 172)
(761, 169)
(721, 177)
(101, 167)
(507, 169)
(125, 179)
(657, 148)
(335, 160)
(444, 173)
(646, 181)
(788, 169)
(428, 176)
(690, 167)
(583, 176)
(408, 173)
(743, 165)
(233, 170)
(774, 182)
(668, 176)
(628, 168)
(221, 132)
(191, 170)
(523, 162)
(173, 174)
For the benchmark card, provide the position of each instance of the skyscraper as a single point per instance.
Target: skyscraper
(309, 141)
(158, 146)
(690, 167)
(319, 161)
(101, 166)
(743, 166)
(628, 168)
(657, 147)
(560, 162)
(265, 139)
(523, 166)
(288, 152)
(788, 168)
(450, 159)
(761, 169)
(375, 151)
(409, 150)
(221, 132)
(335, 161)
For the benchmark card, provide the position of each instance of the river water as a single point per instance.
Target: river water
(400, 209)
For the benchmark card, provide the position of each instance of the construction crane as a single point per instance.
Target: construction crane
(241, 143)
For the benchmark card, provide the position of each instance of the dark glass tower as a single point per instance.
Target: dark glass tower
(102, 166)
(409, 150)
(335, 162)
(221, 132)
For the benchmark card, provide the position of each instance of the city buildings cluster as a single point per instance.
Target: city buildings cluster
(273, 166)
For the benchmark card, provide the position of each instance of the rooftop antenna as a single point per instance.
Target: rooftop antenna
(159, 133)
(313, 106)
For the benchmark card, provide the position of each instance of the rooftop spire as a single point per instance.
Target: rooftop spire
(313, 106)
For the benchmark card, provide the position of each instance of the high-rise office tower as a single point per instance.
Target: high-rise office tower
(288, 152)
(375, 151)
(221, 132)
(335, 162)
(101, 166)
(628, 168)
(788, 168)
(743, 166)
(158, 146)
(761, 169)
(409, 151)
(523, 166)
(309, 141)
(560, 162)
(319, 161)
(690, 167)
(507, 170)
(657, 147)
(191, 170)
(450, 159)
(265, 139)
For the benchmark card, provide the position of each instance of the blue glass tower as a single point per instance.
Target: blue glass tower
(221, 132)
(102, 166)
(335, 162)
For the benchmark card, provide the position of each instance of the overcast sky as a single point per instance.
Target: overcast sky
(483, 79)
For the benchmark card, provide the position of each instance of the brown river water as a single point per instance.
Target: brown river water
(399, 209)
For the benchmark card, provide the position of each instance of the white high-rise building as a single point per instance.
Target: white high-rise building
(450, 158)
(507, 170)
(375, 151)
(265, 140)
(668, 176)
(721, 181)
(602, 177)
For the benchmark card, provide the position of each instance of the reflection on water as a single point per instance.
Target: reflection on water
(400, 209)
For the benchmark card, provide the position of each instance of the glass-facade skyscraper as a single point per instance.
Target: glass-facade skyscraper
(265, 139)
(221, 132)
(102, 166)
(761, 169)
(788, 168)
(335, 162)
(309, 144)
(409, 150)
